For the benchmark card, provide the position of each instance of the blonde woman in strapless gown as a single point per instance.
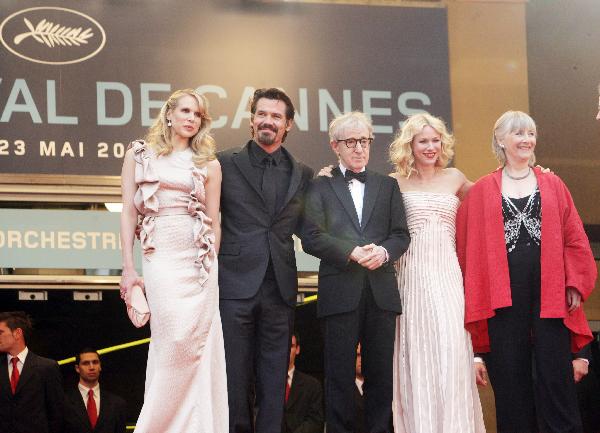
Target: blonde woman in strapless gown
(173, 180)
(434, 379)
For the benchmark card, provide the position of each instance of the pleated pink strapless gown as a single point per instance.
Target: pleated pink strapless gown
(434, 380)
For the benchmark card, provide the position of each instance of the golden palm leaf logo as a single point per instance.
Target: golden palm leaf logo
(52, 34)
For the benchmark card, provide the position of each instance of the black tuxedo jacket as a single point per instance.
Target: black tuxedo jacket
(332, 230)
(250, 235)
(111, 418)
(37, 406)
(359, 422)
(304, 408)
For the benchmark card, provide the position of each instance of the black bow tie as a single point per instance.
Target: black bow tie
(361, 177)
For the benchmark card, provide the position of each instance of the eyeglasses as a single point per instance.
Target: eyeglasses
(352, 142)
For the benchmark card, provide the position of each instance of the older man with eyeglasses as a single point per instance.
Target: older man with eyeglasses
(355, 223)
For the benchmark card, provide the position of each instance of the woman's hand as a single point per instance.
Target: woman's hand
(129, 278)
(544, 170)
(573, 299)
(480, 374)
(326, 171)
(580, 369)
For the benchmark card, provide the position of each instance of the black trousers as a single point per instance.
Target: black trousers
(530, 362)
(588, 395)
(375, 329)
(257, 333)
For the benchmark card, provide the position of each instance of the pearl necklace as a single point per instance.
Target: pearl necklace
(516, 177)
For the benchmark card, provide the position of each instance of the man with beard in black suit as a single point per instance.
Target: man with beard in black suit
(262, 199)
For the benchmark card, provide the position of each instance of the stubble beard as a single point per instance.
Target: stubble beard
(266, 139)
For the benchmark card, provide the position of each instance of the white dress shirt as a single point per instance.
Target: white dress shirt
(291, 376)
(84, 394)
(21, 356)
(357, 191)
(359, 384)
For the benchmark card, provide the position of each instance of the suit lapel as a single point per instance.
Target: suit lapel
(340, 187)
(104, 408)
(294, 180)
(79, 405)
(27, 372)
(4, 381)
(372, 186)
(295, 391)
(242, 161)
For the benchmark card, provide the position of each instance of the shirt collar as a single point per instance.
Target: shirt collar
(359, 384)
(84, 389)
(22, 356)
(260, 154)
(291, 373)
(343, 169)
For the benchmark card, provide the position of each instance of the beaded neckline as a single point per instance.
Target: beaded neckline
(514, 219)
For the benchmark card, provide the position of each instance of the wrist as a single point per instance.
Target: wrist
(386, 255)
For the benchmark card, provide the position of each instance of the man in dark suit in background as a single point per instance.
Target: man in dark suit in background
(31, 392)
(90, 408)
(262, 198)
(303, 398)
(588, 389)
(355, 223)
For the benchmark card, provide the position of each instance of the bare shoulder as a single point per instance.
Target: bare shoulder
(213, 164)
(213, 168)
(399, 178)
(129, 160)
(455, 173)
(461, 184)
(129, 153)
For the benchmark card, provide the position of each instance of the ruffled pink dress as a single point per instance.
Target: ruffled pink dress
(186, 385)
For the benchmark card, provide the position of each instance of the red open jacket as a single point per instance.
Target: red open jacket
(566, 257)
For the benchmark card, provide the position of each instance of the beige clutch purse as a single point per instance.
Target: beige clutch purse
(138, 310)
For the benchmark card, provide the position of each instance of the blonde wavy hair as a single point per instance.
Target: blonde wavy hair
(511, 121)
(401, 154)
(160, 136)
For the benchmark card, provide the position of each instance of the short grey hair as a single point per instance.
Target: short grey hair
(348, 120)
(510, 121)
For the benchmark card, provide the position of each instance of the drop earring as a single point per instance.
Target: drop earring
(169, 123)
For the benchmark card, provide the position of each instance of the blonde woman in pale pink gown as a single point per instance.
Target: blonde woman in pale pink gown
(434, 379)
(173, 180)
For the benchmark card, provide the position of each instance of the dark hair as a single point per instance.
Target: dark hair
(17, 319)
(275, 94)
(85, 350)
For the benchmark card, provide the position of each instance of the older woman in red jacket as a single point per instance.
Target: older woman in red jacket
(527, 266)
